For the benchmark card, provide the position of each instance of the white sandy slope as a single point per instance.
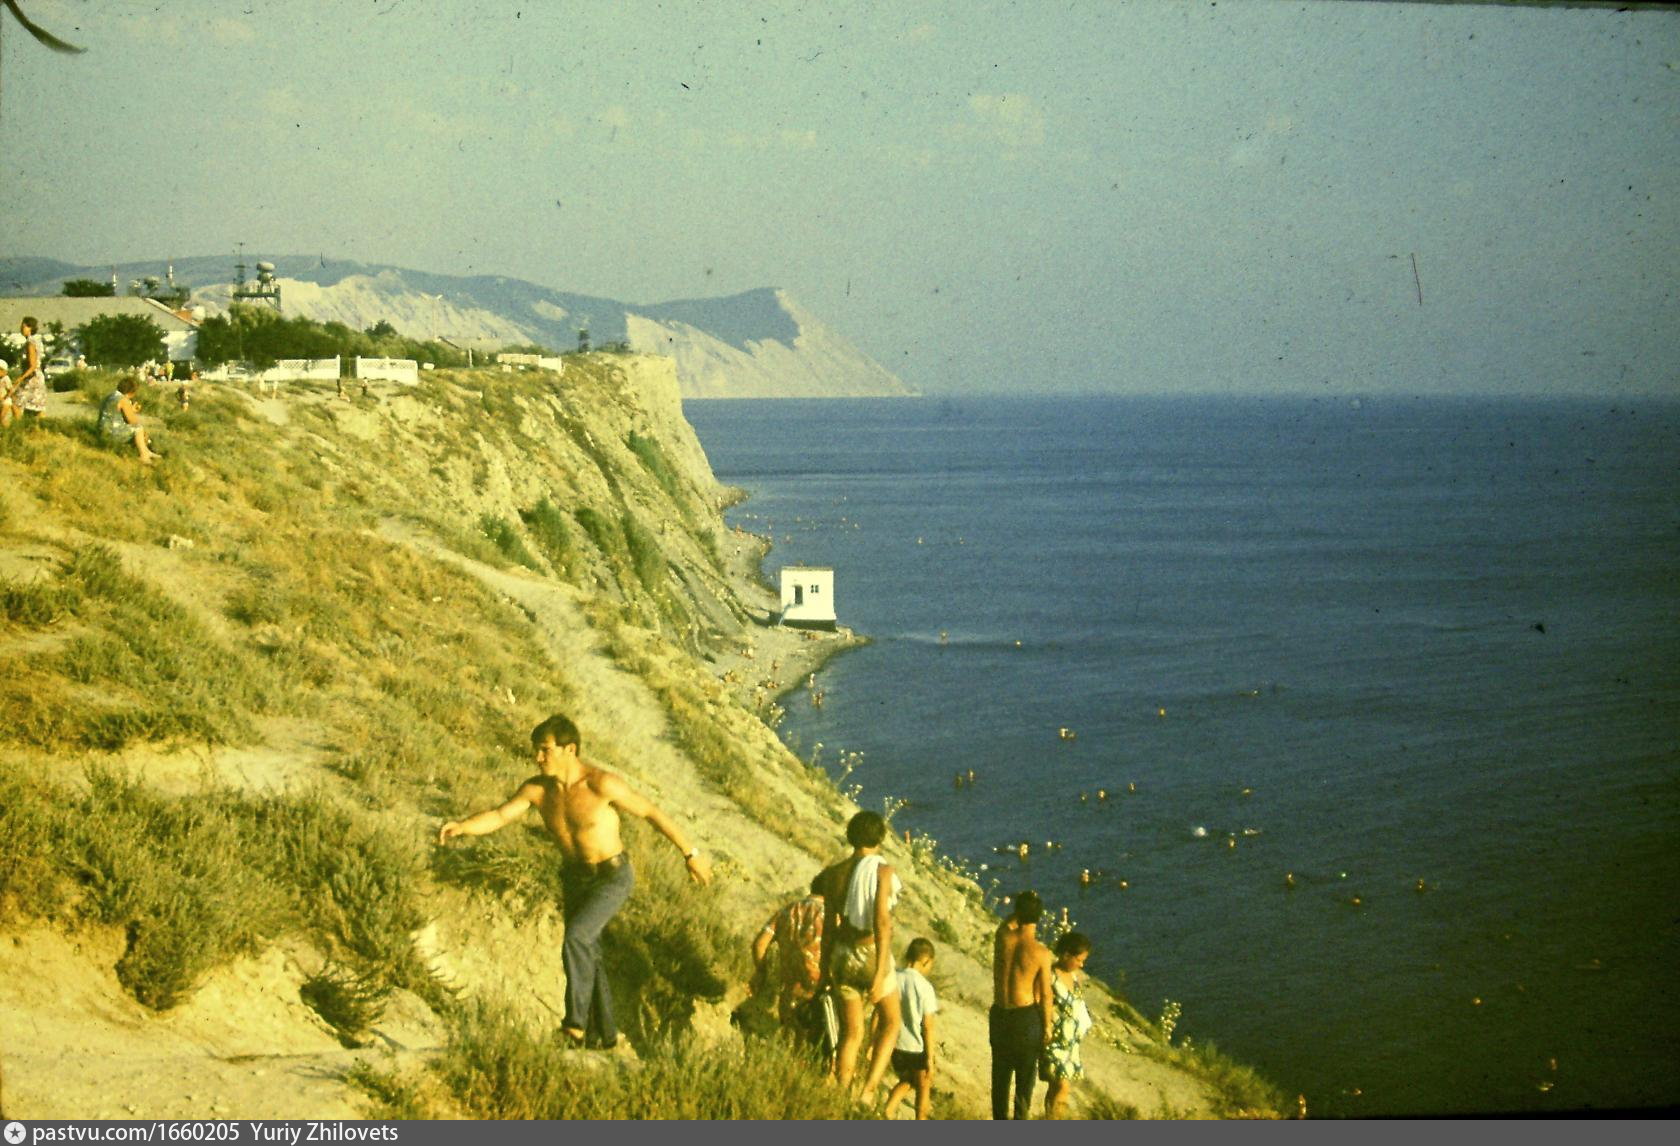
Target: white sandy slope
(361, 301)
(819, 364)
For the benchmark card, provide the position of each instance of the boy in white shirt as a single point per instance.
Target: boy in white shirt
(913, 1055)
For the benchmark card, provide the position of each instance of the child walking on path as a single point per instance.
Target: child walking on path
(913, 1057)
(1070, 1020)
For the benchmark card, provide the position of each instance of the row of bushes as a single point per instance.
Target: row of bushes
(262, 336)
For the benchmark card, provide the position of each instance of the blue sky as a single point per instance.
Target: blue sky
(1027, 196)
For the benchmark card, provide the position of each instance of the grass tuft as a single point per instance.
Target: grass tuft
(548, 529)
(498, 1068)
(504, 535)
(347, 1001)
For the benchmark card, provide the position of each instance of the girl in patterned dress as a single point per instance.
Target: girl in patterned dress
(1070, 1019)
(29, 393)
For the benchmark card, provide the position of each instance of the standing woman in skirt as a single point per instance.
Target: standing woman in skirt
(30, 393)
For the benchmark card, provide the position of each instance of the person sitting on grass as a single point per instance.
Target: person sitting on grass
(913, 1057)
(1070, 1020)
(119, 419)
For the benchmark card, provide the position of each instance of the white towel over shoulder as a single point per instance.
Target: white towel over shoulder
(860, 892)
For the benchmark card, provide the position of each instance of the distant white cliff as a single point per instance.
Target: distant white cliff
(759, 344)
(809, 360)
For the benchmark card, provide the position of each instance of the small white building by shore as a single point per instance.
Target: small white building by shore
(808, 597)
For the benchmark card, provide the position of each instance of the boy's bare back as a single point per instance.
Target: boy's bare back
(1020, 966)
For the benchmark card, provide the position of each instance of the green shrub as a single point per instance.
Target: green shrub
(37, 604)
(360, 883)
(498, 1068)
(348, 1002)
(395, 1095)
(647, 560)
(97, 571)
(1102, 1106)
(32, 879)
(653, 459)
(176, 875)
(504, 535)
(602, 532)
(194, 882)
(548, 529)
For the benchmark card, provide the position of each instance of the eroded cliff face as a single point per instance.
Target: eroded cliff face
(319, 629)
(657, 379)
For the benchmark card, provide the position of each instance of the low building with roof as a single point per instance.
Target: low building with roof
(808, 597)
(180, 328)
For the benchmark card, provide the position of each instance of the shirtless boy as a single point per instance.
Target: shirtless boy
(1021, 1001)
(580, 806)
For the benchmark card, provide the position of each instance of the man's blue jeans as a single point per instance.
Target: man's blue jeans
(593, 896)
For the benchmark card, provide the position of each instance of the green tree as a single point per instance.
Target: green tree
(260, 336)
(87, 288)
(121, 340)
(381, 329)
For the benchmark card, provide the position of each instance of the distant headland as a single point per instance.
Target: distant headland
(758, 344)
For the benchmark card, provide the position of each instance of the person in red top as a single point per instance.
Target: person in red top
(797, 932)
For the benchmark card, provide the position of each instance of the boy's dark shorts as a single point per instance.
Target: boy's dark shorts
(907, 1064)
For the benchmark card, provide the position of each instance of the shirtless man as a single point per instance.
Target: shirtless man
(1021, 1002)
(580, 806)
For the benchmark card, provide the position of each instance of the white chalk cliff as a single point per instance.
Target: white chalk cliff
(758, 344)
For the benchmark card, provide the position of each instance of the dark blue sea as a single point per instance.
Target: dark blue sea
(1352, 644)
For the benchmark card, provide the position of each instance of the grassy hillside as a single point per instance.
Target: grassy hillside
(242, 688)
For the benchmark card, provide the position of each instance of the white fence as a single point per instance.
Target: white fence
(533, 361)
(405, 370)
(292, 369)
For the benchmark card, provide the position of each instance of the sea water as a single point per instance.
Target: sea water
(1382, 698)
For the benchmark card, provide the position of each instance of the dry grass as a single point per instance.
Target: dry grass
(294, 601)
(196, 881)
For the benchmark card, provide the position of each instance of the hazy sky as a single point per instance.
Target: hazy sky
(1036, 195)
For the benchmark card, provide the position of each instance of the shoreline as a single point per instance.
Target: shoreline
(776, 662)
